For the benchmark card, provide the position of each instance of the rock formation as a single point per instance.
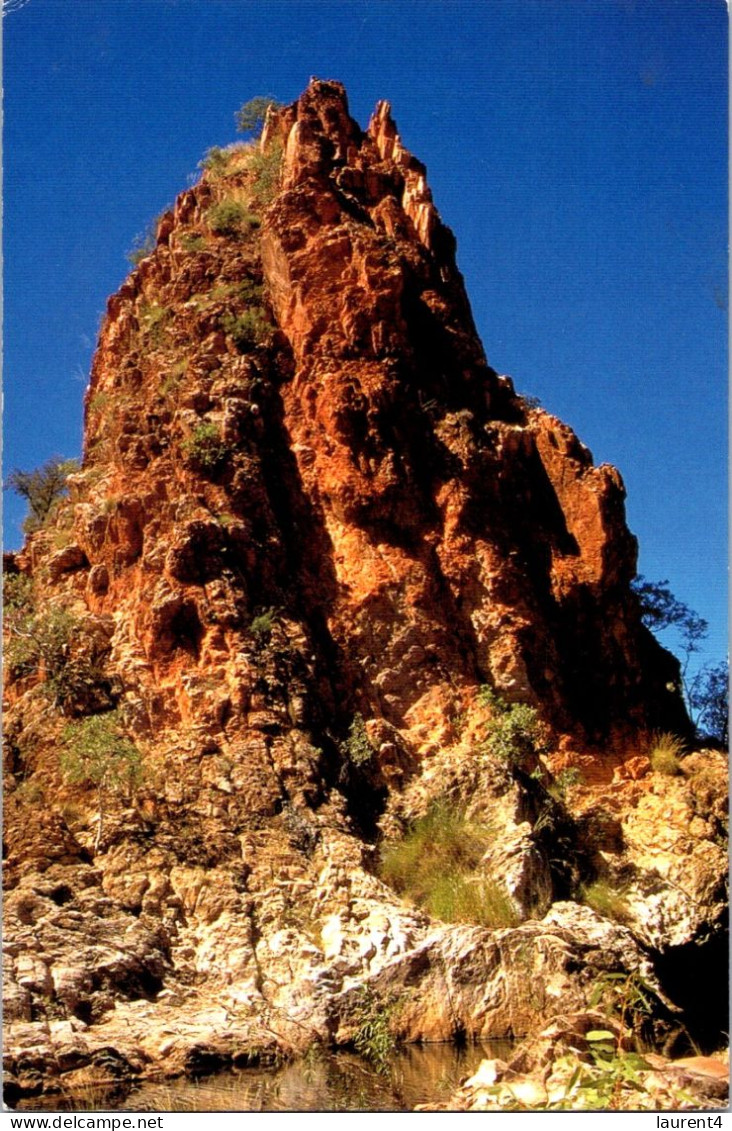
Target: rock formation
(311, 523)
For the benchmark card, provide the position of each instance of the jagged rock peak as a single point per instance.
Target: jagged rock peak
(311, 523)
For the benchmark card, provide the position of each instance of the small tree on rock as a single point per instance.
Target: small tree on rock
(709, 701)
(42, 489)
(707, 692)
(250, 117)
(97, 753)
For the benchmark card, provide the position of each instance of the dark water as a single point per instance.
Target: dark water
(326, 1082)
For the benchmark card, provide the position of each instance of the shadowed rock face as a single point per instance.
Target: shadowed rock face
(306, 497)
(470, 537)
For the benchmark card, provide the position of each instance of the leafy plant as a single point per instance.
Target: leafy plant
(665, 753)
(374, 1039)
(564, 781)
(266, 171)
(263, 624)
(230, 217)
(251, 115)
(53, 643)
(248, 329)
(357, 748)
(42, 488)
(192, 243)
(97, 753)
(515, 733)
(17, 598)
(626, 997)
(205, 450)
(215, 160)
(660, 610)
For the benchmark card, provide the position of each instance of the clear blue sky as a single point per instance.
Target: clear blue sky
(576, 147)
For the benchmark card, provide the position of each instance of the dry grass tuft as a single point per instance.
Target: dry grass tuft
(665, 754)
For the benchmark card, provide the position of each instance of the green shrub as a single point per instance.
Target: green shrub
(515, 733)
(192, 242)
(17, 598)
(251, 115)
(263, 624)
(56, 645)
(229, 218)
(606, 900)
(153, 319)
(248, 330)
(374, 1039)
(215, 160)
(357, 747)
(266, 170)
(563, 781)
(205, 450)
(665, 753)
(97, 753)
(43, 488)
(435, 866)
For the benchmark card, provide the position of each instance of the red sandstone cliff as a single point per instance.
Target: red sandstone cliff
(306, 497)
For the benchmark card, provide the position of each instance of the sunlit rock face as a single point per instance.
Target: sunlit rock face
(310, 524)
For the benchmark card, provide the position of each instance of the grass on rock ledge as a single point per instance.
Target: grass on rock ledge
(436, 865)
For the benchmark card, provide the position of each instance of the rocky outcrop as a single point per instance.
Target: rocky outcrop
(579, 1063)
(311, 523)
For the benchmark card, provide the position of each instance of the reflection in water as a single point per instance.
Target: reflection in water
(323, 1082)
(335, 1082)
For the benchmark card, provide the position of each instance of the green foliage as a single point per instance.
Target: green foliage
(665, 753)
(606, 900)
(17, 597)
(374, 1039)
(263, 624)
(230, 218)
(251, 115)
(42, 489)
(266, 170)
(215, 160)
(248, 330)
(54, 644)
(205, 450)
(97, 753)
(515, 732)
(603, 1082)
(435, 866)
(626, 997)
(192, 242)
(457, 898)
(153, 320)
(564, 781)
(357, 747)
